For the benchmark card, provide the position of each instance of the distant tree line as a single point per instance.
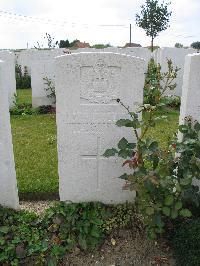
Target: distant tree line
(67, 43)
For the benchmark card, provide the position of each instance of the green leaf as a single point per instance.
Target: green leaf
(185, 181)
(169, 200)
(110, 152)
(124, 123)
(122, 144)
(95, 232)
(183, 128)
(178, 205)
(197, 126)
(149, 210)
(131, 146)
(153, 146)
(174, 214)
(4, 229)
(185, 213)
(158, 221)
(190, 142)
(124, 176)
(124, 154)
(82, 242)
(166, 211)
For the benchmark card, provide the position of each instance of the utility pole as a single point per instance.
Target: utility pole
(130, 34)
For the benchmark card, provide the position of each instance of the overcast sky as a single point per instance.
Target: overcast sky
(93, 21)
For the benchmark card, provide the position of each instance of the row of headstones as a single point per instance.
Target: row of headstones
(87, 87)
(40, 66)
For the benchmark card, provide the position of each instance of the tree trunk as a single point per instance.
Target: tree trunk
(152, 44)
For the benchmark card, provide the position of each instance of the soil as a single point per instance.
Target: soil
(125, 247)
(122, 248)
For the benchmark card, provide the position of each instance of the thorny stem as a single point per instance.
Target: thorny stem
(128, 110)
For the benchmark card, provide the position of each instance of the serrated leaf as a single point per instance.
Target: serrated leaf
(178, 205)
(110, 152)
(131, 146)
(124, 123)
(124, 177)
(122, 144)
(166, 211)
(124, 154)
(183, 128)
(185, 213)
(169, 200)
(197, 126)
(185, 181)
(158, 221)
(174, 214)
(153, 146)
(4, 229)
(149, 210)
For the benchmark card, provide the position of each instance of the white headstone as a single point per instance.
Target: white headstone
(42, 67)
(141, 52)
(190, 102)
(87, 86)
(177, 55)
(8, 184)
(9, 78)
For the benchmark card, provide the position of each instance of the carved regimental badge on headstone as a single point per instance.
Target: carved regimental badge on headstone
(99, 83)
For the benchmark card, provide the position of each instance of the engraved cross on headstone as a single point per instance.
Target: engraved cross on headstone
(96, 157)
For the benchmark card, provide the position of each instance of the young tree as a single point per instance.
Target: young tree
(50, 41)
(154, 18)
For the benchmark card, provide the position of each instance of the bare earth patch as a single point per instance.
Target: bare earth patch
(125, 247)
(122, 248)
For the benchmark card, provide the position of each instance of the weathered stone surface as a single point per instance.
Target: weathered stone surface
(190, 102)
(9, 78)
(177, 55)
(8, 184)
(87, 86)
(42, 66)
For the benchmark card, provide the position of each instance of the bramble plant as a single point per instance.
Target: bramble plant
(160, 177)
(157, 82)
(50, 89)
(27, 239)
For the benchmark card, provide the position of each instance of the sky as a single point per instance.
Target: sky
(23, 23)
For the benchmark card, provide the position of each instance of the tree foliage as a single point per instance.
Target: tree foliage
(196, 45)
(67, 43)
(178, 45)
(154, 18)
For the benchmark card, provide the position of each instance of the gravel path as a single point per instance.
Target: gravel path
(35, 206)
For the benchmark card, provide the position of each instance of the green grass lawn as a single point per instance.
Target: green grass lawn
(35, 153)
(34, 141)
(24, 96)
(165, 129)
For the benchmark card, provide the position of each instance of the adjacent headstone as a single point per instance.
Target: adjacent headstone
(190, 102)
(177, 55)
(42, 72)
(8, 184)
(141, 52)
(9, 78)
(87, 86)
